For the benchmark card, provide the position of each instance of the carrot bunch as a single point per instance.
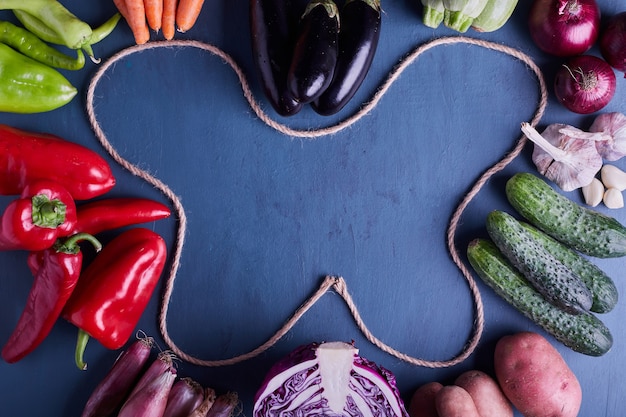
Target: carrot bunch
(165, 15)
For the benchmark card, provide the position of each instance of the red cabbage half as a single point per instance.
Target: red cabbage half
(329, 380)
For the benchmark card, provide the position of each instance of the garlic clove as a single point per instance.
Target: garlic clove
(593, 192)
(613, 177)
(613, 198)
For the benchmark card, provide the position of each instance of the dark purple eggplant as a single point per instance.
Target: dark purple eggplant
(273, 32)
(315, 53)
(358, 40)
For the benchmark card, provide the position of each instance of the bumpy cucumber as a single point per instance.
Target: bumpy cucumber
(583, 333)
(602, 287)
(556, 282)
(582, 229)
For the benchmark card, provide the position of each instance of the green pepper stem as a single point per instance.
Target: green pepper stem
(70, 244)
(47, 213)
(81, 344)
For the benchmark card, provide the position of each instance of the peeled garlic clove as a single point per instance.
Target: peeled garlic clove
(593, 192)
(613, 198)
(613, 177)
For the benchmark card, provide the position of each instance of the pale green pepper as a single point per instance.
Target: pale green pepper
(28, 86)
(73, 31)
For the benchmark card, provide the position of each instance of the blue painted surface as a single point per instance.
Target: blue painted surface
(270, 215)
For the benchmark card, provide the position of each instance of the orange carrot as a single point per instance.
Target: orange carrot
(154, 13)
(121, 7)
(168, 22)
(137, 21)
(187, 13)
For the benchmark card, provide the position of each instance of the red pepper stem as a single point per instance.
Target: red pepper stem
(81, 344)
(70, 245)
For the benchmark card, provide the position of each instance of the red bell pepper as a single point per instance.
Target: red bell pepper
(56, 273)
(115, 289)
(44, 212)
(113, 213)
(27, 156)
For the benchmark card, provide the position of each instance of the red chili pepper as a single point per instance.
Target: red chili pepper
(27, 156)
(113, 213)
(56, 273)
(115, 289)
(44, 212)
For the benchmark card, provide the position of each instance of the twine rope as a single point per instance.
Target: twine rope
(338, 284)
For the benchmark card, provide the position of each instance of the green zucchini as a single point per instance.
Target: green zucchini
(602, 287)
(583, 333)
(494, 15)
(556, 282)
(582, 229)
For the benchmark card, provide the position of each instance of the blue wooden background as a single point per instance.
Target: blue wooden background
(270, 215)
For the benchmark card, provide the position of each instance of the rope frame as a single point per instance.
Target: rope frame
(330, 283)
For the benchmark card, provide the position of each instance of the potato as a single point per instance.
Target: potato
(454, 401)
(486, 393)
(423, 400)
(535, 378)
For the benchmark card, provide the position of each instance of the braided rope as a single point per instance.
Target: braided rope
(337, 284)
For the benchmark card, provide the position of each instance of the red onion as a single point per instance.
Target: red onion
(613, 42)
(564, 27)
(585, 84)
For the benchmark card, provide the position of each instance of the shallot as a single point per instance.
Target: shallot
(565, 155)
(151, 399)
(224, 406)
(203, 409)
(118, 382)
(185, 396)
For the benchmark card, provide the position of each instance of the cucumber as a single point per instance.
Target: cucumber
(556, 282)
(583, 333)
(582, 229)
(602, 287)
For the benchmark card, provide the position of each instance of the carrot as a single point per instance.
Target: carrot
(154, 13)
(168, 21)
(137, 21)
(121, 7)
(187, 13)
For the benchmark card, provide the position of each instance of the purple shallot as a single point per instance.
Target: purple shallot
(185, 396)
(224, 405)
(151, 399)
(203, 409)
(110, 393)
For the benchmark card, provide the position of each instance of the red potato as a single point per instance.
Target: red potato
(423, 400)
(535, 377)
(489, 399)
(454, 401)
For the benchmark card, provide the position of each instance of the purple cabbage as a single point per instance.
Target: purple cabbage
(328, 380)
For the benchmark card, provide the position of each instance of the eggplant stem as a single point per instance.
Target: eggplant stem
(532, 134)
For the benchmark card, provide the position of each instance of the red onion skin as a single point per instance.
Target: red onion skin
(113, 389)
(613, 42)
(577, 92)
(564, 27)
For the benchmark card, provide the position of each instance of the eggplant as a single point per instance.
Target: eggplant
(273, 30)
(315, 52)
(358, 40)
